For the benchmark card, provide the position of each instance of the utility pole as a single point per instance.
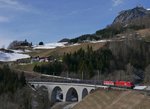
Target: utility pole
(67, 74)
(98, 75)
(53, 76)
(82, 75)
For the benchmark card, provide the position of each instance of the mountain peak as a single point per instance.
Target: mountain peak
(131, 14)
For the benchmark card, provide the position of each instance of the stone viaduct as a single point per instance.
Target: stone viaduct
(66, 91)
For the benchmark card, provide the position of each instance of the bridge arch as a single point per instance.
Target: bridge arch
(92, 90)
(72, 95)
(56, 95)
(84, 92)
(32, 86)
(43, 88)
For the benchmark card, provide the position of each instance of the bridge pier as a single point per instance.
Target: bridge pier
(64, 97)
(79, 91)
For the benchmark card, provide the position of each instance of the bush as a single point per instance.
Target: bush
(41, 43)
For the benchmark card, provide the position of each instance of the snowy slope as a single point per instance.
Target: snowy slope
(62, 44)
(21, 51)
(50, 45)
(5, 57)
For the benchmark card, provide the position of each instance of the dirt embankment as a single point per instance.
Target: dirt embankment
(113, 99)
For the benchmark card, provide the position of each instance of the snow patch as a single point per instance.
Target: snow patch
(100, 41)
(148, 9)
(76, 44)
(140, 87)
(6, 57)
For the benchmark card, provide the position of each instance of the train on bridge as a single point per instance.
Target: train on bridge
(122, 84)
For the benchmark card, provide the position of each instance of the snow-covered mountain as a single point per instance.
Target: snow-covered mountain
(6, 57)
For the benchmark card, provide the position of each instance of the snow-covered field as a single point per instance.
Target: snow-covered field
(6, 57)
(49, 45)
(63, 44)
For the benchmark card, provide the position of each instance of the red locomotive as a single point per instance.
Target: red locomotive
(109, 83)
(124, 84)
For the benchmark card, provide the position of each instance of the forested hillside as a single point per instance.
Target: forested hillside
(79, 62)
(16, 94)
(7, 77)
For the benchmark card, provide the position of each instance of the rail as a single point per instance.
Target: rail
(92, 82)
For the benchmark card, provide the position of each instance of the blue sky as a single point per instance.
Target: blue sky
(52, 20)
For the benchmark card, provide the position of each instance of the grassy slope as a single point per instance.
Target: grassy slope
(27, 67)
(103, 99)
(145, 33)
(60, 51)
(40, 53)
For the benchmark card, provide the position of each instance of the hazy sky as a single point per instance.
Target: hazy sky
(52, 20)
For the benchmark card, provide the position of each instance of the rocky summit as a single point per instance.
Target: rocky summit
(127, 16)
